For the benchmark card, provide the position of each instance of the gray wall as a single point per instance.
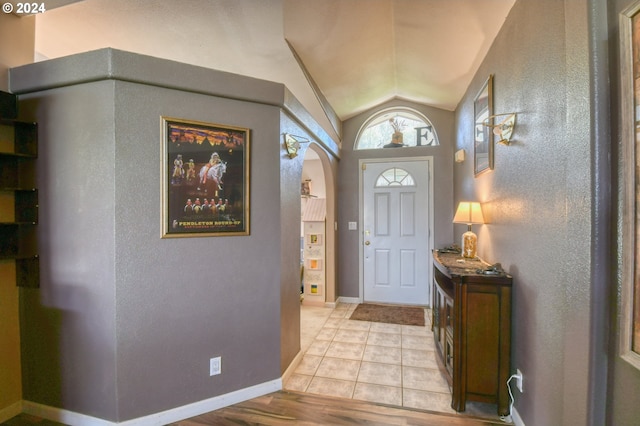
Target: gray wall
(541, 205)
(125, 322)
(290, 214)
(348, 199)
(68, 329)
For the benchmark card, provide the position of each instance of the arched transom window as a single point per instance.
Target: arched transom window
(395, 176)
(395, 128)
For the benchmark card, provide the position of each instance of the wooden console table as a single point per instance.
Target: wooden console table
(471, 323)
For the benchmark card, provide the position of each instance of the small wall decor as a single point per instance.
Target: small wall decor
(504, 129)
(482, 136)
(397, 138)
(315, 289)
(315, 264)
(292, 144)
(314, 239)
(305, 188)
(205, 184)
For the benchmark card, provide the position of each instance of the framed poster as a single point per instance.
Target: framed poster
(205, 179)
(482, 134)
(630, 232)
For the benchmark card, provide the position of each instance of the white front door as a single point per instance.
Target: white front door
(396, 241)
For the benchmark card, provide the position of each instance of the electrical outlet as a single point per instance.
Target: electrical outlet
(215, 366)
(519, 380)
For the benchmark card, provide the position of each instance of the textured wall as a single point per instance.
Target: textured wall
(348, 186)
(125, 322)
(290, 213)
(539, 201)
(182, 301)
(68, 326)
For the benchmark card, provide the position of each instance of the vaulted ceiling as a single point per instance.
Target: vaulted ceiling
(359, 52)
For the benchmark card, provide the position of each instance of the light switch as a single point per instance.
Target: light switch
(353, 226)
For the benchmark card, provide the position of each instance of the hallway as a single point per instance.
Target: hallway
(375, 362)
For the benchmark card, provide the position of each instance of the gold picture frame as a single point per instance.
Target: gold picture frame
(630, 111)
(205, 179)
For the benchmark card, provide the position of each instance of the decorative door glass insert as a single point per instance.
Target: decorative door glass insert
(395, 177)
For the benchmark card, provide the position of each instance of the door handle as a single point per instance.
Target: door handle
(366, 243)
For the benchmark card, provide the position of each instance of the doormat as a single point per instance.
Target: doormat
(391, 314)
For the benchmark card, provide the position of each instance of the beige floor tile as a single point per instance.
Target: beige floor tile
(414, 330)
(423, 400)
(377, 393)
(380, 374)
(421, 358)
(331, 387)
(308, 365)
(342, 350)
(343, 305)
(424, 379)
(349, 306)
(416, 342)
(381, 327)
(312, 319)
(318, 347)
(333, 323)
(350, 336)
(356, 325)
(383, 355)
(384, 339)
(326, 334)
(335, 368)
(339, 313)
(298, 382)
(377, 362)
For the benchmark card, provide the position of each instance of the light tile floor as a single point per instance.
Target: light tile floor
(370, 361)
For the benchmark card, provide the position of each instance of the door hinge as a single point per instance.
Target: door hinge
(364, 166)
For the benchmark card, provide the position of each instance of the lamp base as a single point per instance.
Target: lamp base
(469, 245)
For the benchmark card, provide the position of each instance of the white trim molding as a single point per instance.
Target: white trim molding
(10, 411)
(343, 299)
(156, 419)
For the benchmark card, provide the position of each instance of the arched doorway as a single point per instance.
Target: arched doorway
(317, 234)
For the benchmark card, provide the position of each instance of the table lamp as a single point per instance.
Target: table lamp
(469, 213)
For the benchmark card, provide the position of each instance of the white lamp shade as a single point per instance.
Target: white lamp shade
(468, 212)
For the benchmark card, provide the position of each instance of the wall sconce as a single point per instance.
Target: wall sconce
(469, 213)
(505, 128)
(292, 144)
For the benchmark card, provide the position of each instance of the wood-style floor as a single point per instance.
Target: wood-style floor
(292, 408)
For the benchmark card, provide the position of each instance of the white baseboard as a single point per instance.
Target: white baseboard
(156, 419)
(10, 411)
(164, 417)
(62, 416)
(343, 299)
(292, 367)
